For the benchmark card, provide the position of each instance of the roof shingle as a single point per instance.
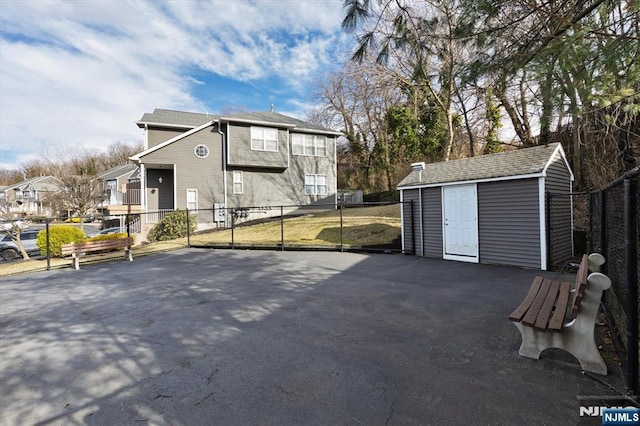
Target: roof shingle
(194, 119)
(513, 163)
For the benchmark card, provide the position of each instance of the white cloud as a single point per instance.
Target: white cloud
(81, 73)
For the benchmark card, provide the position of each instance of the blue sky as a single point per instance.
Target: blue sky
(78, 74)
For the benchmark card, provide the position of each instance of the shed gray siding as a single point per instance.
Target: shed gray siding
(410, 195)
(432, 221)
(558, 181)
(508, 222)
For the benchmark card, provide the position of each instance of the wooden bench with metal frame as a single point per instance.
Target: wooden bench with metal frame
(81, 249)
(554, 315)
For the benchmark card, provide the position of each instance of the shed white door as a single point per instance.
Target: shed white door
(460, 221)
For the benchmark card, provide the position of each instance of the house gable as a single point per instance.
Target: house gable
(137, 158)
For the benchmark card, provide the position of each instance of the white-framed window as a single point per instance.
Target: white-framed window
(264, 139)
(315, 185)
(192, 200)
(238, 185)
(311, 145)
(201, 151)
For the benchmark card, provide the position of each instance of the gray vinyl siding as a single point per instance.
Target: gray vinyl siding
(407, 222)
(241, 154)
(274, 186)
(558, 181)
(508, 222)
(432, 221)
(191, 172)
(157, 136)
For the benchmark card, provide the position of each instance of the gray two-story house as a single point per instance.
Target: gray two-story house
(263, 159)
(31, 197)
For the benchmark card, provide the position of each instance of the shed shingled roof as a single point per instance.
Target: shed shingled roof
(520, 162)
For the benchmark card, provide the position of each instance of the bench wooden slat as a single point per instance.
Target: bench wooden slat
(526, 303)
(79, 249)
(95, 245)
(530, 318)
(557, 320)
(545, 311)
(581, 286)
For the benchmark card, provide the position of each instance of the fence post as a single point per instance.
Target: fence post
(188, 230)
(281, 228)
(233, 221)
(127, 219)
(48, 250)
(631, 281)
(590, 234)
(341, 230)
(603, 229)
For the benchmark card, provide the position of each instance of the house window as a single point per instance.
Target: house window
(192, 200)
(315, 184)
(201, 151)
(310, 145)
(237, 182)
(264, 139)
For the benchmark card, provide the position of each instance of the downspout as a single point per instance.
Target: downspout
(224, 163)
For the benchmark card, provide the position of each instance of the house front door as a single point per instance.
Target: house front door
(460, 223)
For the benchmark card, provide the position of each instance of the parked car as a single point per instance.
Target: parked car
(105, 231)
(9, 249)
(114, 230)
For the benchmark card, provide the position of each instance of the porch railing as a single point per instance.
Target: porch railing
(157, 216)
(118, 198)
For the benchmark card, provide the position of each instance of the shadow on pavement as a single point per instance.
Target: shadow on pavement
(252, 337)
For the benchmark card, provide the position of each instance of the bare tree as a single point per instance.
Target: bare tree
(358, 98)
(426, 37)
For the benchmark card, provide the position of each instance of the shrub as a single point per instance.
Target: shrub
(174, 225)
(107, 237)
(73, 220)
(58, 235)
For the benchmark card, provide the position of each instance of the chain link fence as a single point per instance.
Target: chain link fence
(343, 227)
(365, 226)
(607, 221)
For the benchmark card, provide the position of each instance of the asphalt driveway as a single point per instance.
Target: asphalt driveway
(205, 337)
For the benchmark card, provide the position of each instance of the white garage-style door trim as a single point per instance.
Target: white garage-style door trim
(460, 223)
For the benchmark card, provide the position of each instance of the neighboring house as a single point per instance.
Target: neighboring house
(121, 191)
(31, 197)
(491, 208)
(262, 159)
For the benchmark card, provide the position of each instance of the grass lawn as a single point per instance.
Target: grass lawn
(362, 226)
